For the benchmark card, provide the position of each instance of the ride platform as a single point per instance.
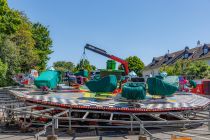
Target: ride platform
(83, 99)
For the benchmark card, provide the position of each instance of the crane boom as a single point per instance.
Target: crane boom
(104, 53)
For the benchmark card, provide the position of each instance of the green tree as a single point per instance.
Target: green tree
(84, 64)
(43, 44)
(63, 66)
(179, 68)
(168, 69)
(199, 69)
(23, 38)
(23, 45)
(93, 67)
(134, 64)
(3, 71)
(196, 69)
(9, 54)
(9, 19)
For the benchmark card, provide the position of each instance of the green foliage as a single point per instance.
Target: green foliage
(196, 69)
(134, 64)
(84, 64)
(10, 55)
(93, 67)
(177, 69)
(9, 19)
(23, 44)
(63, 66)
(3, 71)
(43, 44)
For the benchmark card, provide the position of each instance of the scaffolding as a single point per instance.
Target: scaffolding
(13, 109)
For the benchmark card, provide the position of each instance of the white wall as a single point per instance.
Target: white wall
(150, 71)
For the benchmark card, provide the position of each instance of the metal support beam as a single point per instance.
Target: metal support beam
(111, 116)
(43, 111)
(141, 132)
(209, 122)
(56, 123)
(156, 117)
(60, 114)
(177, 116)
(26, 107)
(85, 116)
(27, 112)
(131, 119)
(70, 118)
(24, 122)
(10, 101)
(53, 126)
(37, 135)
(18, 103)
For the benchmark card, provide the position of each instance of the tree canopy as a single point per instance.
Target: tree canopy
(43, 44)
(3, 72)
(196, 69)
(134, 64)
(63, 66)
(23, 44)
(84, 64)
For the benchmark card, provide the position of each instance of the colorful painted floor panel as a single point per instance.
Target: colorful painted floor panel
(112, 102)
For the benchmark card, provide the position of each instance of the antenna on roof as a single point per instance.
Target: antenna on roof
(198, 43)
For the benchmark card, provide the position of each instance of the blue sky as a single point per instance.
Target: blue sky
(145, 28)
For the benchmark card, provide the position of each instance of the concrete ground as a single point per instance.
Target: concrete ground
(199, 133)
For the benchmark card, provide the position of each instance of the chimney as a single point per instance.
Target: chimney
(168, 51)
(198, 43)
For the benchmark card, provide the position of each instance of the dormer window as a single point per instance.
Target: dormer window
(186, 52)
(205, 49)
(154, 60)
(167, 57)
(186, 55)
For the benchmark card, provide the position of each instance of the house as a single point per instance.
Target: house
(200, 52)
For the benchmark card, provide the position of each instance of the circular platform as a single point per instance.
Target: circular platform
(77, 99)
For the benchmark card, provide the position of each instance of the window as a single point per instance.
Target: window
(186, 52)
(154, 60)
(186, 55)
(205, 49)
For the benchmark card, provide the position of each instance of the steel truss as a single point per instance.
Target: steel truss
(55, 117)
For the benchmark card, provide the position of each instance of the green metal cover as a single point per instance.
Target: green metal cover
(83, 73)
(134, 91)
(48, 78)
(106, 84)
(160, 87)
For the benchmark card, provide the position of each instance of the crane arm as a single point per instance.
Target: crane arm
(104, 53)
